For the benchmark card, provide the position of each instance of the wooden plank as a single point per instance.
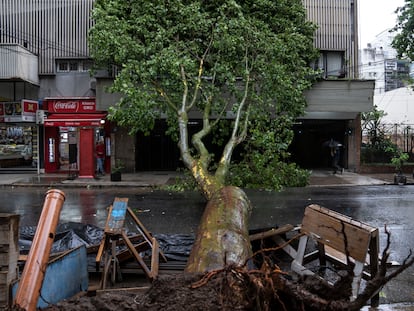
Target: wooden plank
(126, 254)
(337, 231)
(101, 249)
(342, 217)
(116, 216)
(145, 233)
(272, 232)
(155, 258)
(122, 290)
(286, 246)
(137, 256)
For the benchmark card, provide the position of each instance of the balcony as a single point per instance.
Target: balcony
(339, 99)
(18, 64)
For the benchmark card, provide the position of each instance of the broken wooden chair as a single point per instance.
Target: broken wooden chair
(341, 240)
(115, 234)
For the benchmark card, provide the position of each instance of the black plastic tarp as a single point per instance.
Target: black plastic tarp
(71, 235)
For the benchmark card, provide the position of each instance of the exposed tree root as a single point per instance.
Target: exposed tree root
(269, 287)
(238, 288)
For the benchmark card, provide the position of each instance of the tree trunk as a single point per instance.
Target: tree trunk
(223, 236)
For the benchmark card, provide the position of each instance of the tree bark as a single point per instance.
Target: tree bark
(223, 236)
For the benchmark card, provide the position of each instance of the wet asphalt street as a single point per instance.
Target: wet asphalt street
(164, 212)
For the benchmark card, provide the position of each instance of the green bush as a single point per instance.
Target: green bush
(268, 176)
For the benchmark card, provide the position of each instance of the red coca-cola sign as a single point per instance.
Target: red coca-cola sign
(71, 105)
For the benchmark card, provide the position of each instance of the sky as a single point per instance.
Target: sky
(376, 16)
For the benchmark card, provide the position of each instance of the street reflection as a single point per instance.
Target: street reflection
(168, 213)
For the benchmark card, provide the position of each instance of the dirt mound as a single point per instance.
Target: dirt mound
(230, 289)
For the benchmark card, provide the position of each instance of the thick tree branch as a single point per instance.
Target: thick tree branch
(236, 137)
(185, 89)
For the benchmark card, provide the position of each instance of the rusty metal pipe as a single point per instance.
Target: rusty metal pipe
(31, 281)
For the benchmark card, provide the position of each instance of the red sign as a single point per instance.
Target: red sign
(29, 107)
(24, 111)
(71, 105)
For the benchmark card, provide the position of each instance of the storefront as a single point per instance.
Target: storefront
(18, 135)
(72, 127)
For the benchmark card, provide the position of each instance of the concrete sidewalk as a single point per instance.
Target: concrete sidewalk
(319, 178)
(141, 179)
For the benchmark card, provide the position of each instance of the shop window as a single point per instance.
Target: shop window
(18, 146)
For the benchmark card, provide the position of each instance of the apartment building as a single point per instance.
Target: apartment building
(378, 61)
(336, 102)
(53, 108)
(44, 61)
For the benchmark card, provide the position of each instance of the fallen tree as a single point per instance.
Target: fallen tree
(238, 68)
(239, 63)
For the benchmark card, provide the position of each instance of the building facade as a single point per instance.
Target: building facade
(378, 61)
(44, 58)
(336, 102)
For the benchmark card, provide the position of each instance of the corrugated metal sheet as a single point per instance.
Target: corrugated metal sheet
(50, 29)
(337, 28)
(58, 29)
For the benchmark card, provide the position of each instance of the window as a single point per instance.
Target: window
(86, 65)
(63, 65)
(73, 66)
(332, 64)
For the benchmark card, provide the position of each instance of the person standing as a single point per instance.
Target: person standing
(100, 157)
(336, 156)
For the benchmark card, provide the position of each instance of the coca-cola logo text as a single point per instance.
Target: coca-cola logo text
(71, 106)
(65, 106)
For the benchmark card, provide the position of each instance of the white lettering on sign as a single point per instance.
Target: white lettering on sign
(66, 106)
(88, 106)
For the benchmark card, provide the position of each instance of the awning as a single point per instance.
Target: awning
(70, 119)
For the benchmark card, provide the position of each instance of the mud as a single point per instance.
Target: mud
(166, 293)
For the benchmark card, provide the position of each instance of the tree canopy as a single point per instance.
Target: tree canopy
(403, 41)
(245, 61)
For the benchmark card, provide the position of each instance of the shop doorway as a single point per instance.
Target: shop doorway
(68, 148)
(308, 148)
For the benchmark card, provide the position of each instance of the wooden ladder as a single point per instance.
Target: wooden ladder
(115, 234)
